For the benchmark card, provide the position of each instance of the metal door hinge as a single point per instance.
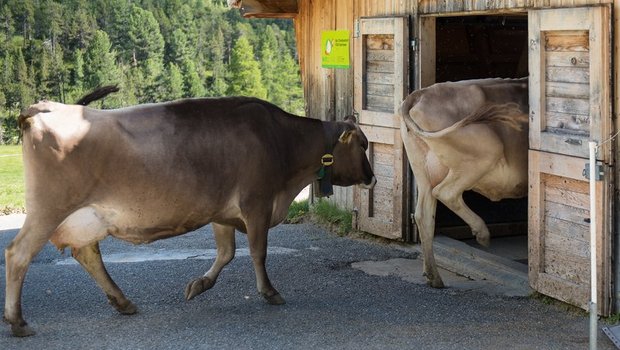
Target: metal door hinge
(414, 44)
(599, 171)
(412, 216)
(356, 30)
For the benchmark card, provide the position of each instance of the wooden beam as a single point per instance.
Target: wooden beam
(266, 9)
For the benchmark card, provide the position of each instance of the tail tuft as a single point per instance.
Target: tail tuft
(97, 94)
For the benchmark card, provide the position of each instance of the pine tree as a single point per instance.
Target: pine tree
(245, 71)
(193, 83)
(290, 84)
(99, 63)
(174, 83)
(24, 85)
(145, 40)
(268, 65)
(178, 50)
(76, 76)
(218, 86)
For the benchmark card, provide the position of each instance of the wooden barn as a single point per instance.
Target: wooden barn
(397, 46)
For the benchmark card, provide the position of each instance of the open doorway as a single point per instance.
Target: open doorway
(473, 47)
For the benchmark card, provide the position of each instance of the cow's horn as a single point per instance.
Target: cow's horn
(346, 136)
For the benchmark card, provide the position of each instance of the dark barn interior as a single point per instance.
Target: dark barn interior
(475, 47)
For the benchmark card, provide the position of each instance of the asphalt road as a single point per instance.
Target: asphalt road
(330, 303)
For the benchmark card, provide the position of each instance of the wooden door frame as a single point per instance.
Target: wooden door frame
(378, 126)
(566, 161)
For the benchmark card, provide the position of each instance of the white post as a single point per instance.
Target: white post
(593, 284)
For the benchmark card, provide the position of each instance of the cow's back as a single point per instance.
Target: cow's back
(158, 170)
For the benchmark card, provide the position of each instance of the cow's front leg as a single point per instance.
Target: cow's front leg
(450, 192)
(90, 259)
(225, 242)
(257, 238)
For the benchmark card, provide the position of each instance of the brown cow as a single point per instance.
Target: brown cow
(459, 136)
(154, 171)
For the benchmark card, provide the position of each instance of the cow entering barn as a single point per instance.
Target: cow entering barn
(465, 135)
(154, 171)
(475, 47)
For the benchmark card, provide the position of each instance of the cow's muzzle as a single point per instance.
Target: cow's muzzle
(370, 185)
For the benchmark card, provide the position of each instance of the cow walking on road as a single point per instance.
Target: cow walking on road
(459, 136)
(155, 171)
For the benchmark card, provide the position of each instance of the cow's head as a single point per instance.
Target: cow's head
(351, 165)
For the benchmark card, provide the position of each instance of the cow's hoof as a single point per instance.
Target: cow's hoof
(484, 241)
(128, 309)
(125, 307)
(275, 299)
(438, 283)
(21, 331)
(198, 286)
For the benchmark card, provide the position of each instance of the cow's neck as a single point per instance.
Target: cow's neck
(312, 139)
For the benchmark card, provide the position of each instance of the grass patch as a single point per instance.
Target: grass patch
(547, 300)
(297, 211)
(613, 319)
(11, 180)
(330, 214)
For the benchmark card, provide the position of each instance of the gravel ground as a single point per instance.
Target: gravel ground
(334, 301)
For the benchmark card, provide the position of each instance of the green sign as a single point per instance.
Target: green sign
(335, 49)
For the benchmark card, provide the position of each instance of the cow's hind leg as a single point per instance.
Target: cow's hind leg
(425, 220)
(90, 259)
(225, 241)
(18, 255)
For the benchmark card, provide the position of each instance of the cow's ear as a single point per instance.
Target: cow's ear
(351, 118)
(346, 136)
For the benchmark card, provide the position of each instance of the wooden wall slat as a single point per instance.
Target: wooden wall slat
(380, 42)
(380, 89)
(570, 90)
(380, 78)
(567, 197)
(574, 215)
(571, 41)
(571, 268)
(555, 240)
(447, 6)
(571, 230)
(568, 123)
(568, 75)
(380, 55)
(567, 59)
(380, 66)
(575, 106)
(380, 103)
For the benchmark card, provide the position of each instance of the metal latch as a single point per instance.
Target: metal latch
(599, 171)
(414, 44)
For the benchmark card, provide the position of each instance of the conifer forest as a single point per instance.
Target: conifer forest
(154, 50)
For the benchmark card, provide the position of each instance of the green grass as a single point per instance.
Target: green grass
(330, 214)
(11, 180)
(297, 211)
(322, 212)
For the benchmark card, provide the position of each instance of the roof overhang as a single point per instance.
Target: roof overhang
(266, 8)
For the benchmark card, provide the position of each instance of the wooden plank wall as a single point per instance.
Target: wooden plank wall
(329, 92)
(439, 6)
(567, 82)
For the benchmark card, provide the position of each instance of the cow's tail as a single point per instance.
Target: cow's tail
(97, 94)
(507, 113)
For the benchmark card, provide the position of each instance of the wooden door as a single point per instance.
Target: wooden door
(381, 83)
(569, 62)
